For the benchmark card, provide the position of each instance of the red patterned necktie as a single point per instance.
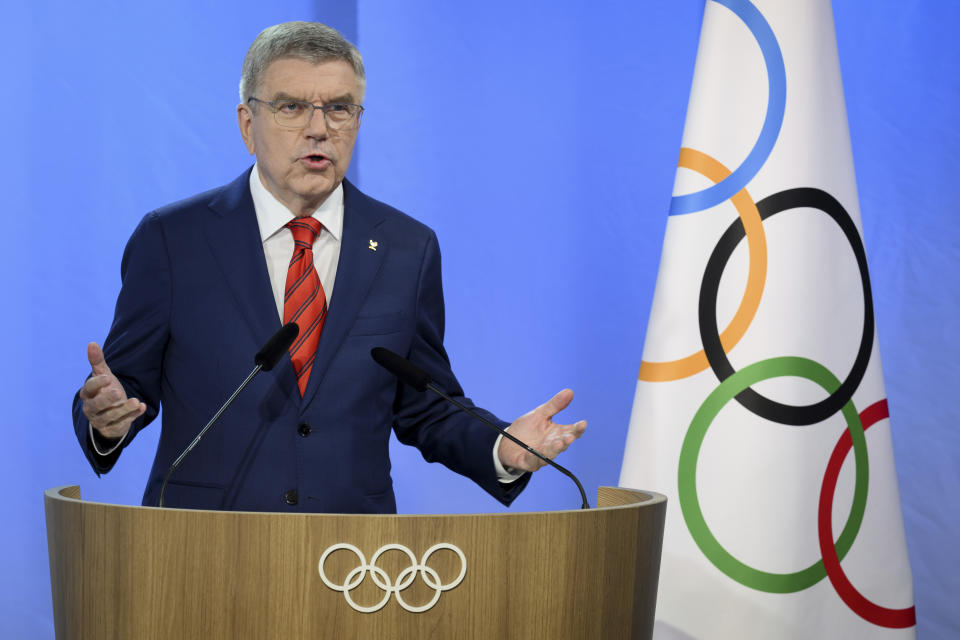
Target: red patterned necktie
(304, 301)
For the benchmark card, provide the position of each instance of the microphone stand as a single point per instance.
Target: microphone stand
(176, 463)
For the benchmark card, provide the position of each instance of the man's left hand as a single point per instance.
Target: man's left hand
(540, 432)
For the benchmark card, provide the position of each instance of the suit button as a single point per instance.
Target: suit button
(291, 497)
(304, 430)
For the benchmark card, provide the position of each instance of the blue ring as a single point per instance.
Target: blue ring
(776, 101)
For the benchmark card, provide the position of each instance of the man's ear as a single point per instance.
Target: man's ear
(245, 122)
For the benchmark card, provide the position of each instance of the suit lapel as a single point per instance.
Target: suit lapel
(233, 236)
(356, 271)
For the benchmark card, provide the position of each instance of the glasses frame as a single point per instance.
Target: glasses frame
(325, 108)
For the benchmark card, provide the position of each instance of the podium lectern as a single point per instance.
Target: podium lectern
(139, 572)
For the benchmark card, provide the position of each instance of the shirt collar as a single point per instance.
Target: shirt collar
(273, 215)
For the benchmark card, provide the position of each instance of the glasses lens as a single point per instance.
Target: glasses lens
(292, 113)
(341, 116)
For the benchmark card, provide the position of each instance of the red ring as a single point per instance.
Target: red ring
(874, 613)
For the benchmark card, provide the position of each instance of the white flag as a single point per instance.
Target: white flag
(760, 409)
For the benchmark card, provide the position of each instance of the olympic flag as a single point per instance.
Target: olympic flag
(760, 369)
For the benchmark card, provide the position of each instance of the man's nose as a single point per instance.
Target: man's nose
(317, 127)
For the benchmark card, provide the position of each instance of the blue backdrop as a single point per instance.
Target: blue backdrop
(539, 140)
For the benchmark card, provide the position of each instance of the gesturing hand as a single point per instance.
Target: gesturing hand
(105, 403)
(538, 430)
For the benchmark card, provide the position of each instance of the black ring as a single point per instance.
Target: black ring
(712, 347)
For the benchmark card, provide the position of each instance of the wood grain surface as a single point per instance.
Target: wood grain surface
(128, 573)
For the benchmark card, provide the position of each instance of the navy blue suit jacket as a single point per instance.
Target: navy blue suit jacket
(196, 304)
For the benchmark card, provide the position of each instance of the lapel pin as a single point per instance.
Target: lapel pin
(373, 245)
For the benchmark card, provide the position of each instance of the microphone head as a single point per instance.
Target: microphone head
(406, 371)
(276, 346)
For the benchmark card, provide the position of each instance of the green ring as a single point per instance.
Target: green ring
(687, 475)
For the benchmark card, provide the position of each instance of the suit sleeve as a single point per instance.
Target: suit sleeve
(440, 431)
(137, 340)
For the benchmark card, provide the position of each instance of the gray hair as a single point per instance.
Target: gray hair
(311, 41)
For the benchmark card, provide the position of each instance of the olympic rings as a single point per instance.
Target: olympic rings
(687, 475)
(713, 346)
(731, 185)
(380, 578)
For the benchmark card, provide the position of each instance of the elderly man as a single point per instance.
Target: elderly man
(207, 280)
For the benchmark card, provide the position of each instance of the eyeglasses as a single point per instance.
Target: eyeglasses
(296, 114)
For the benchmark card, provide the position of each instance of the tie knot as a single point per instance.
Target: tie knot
(304, 230)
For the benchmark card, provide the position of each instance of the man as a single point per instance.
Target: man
(207, 280)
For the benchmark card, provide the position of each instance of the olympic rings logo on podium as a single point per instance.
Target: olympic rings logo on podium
(380, 578)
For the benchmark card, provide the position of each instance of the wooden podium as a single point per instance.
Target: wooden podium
(139, 572)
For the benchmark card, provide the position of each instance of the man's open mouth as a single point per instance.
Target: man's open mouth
(316, 161)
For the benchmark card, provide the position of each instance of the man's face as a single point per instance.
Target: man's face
(300, 167)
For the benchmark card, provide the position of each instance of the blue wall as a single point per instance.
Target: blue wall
(539, 141)
(542, 149)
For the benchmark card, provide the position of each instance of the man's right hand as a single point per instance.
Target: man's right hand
(105, 402)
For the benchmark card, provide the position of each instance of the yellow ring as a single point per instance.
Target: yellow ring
(713, 170)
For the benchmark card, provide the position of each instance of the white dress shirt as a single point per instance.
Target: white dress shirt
(273, 215)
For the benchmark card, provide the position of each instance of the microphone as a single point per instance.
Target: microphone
(414, 376)
(265, 360)
(268, 356)
(402, 368)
